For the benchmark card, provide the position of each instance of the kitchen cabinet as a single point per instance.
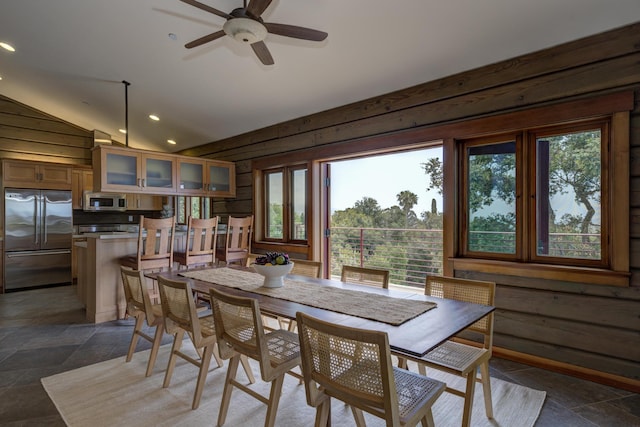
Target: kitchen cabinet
(207, 178)
(133, 171)
(25, 174)
(143, 202)
(81, 181)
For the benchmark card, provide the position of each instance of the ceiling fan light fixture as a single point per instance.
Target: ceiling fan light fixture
(245, 30)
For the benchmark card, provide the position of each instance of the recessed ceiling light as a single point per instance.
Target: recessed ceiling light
(173, 36)
(122, 131)
(154, 117)
(7, 46)
(0, 77)
(171, 141)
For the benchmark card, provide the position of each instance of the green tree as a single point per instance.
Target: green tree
(407, 200)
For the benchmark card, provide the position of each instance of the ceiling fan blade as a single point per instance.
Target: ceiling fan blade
(262, 53)
(256, 7)
(295, 32)
(205, 39)
(207, 8)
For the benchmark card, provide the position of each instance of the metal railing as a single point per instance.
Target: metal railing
(411, 254)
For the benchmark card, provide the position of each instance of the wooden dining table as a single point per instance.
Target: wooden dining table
(411, 339)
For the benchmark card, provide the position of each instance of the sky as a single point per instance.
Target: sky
(382, 178)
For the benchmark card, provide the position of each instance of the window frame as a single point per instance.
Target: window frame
(526, 191)
(287, 205)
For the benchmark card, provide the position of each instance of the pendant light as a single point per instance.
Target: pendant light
(126, 112)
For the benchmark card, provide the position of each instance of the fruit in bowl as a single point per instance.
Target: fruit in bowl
(273, 258)
(273, 266)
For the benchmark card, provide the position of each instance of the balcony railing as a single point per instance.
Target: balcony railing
(411, 254)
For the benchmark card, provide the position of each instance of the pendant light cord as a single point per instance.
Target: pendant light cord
(126, 111)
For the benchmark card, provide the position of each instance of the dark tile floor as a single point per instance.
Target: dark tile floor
(43, 332)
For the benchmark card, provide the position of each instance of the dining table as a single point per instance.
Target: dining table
(433, 321)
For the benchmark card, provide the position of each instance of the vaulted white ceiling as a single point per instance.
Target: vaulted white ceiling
(72, 56)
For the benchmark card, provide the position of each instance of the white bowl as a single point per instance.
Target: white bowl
(273, 274)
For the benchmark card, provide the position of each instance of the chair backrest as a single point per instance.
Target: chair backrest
(467, 290)
(155, 242)
(251, 258)
(349, 364)
(304, 267)
(238, 239)
(137, 293)
(365, 276)
(239, 329)
(179, 308)
(202, 235)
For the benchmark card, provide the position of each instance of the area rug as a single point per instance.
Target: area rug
(115, 393)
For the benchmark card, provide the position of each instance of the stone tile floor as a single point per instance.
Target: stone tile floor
(44, 332)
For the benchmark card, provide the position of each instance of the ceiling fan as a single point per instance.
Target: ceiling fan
(245, 25)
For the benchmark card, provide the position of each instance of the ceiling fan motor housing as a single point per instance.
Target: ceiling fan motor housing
(245, 30)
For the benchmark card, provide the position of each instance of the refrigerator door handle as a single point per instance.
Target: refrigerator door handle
(36, 212)
(37, 253)
(45, 228)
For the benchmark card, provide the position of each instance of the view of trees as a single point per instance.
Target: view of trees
(410, 243)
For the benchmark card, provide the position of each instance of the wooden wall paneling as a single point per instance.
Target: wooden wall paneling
(46, 124)
(9, 144)
(618, 343)
(596, 48)
(586, 359)
(612, 312)
(46, 137)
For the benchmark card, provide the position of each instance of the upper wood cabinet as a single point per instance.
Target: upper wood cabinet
(208, 178)
(133, 171)
(81, 181)
(24, 174)
(138, 171)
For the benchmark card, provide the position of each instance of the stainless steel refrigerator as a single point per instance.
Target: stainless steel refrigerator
(37, 237)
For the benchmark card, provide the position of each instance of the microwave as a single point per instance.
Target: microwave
(94, 202)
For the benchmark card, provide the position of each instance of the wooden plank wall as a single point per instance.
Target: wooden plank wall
(28, 134)
(595, 327)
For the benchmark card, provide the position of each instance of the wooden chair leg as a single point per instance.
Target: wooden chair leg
(247, 369)
(274, 400)
(202, 375)
(134, 337)
(468, 398)
(486, 388)
(228, 388)
(427, 420)
(323, 414)
(157, 338)
(359, 417)
(177, 343)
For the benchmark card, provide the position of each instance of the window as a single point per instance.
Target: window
(538, 195)
(197, 207)
(286, 204)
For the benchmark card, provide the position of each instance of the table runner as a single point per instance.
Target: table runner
(381, 308)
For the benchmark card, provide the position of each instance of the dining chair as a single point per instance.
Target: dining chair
(139, 306)
(237, 245)
(240, 332)
(354, 366)
(201, 242)
(459, 358)
(251, 258)
(155, 245)
(303, 267)
(180, 317)
(365, 276)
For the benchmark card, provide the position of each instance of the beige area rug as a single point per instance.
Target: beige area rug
(368, 305)
(115, 393)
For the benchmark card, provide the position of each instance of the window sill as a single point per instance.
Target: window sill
(593, 276)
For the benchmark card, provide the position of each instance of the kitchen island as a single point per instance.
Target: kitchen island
(99, 281)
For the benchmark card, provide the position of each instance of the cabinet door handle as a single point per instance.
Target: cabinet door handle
(144, 182)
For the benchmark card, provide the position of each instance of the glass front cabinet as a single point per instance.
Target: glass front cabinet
(137, 171)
